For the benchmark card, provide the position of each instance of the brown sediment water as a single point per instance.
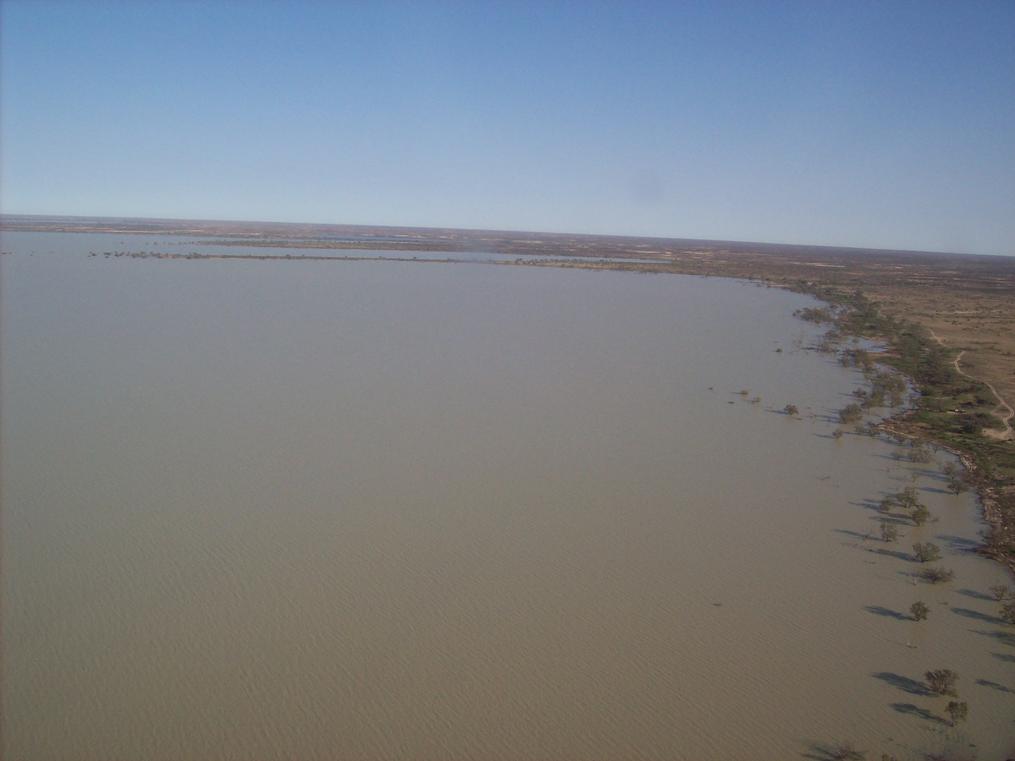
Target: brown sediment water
(371, 510)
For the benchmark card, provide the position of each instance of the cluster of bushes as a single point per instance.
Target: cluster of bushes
(951, 408)
(925, 552)
(815, 314)
(851, 413)
(957, 482)
(937, 575)
(942, 682)
(906, 500)
(857, 357)
(886, 385)
(1006, 596)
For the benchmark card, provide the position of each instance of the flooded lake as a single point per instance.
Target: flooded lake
(380, 510)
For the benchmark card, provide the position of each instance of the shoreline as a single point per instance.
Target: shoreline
(995, 495)
(851, 580)
(997, 515)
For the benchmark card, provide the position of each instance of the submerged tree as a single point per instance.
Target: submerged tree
(851, 413)
(925, 552)
(919, 610)
(958, 710)
(1007, 613)
(1000, 591)
(920, 515)
(942, 681)
(920, 453)
(791, 410)
(907, 498)
(937, 575)
(846, 751)
(889, 531)
(957, 484)
(876, 398)
(814, 314)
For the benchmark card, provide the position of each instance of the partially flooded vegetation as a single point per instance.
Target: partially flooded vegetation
(949, 410)
(382, 505)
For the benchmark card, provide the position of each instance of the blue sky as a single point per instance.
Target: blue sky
(885, 124)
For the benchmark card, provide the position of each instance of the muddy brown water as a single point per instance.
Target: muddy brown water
(375, 510)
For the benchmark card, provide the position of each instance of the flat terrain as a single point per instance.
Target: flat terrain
(264, 505)
(968, 301)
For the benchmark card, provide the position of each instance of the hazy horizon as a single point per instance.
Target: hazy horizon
(875, 126)
(510, 231)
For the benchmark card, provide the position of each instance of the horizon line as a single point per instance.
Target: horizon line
(515, 231)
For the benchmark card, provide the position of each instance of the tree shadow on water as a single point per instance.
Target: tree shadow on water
(854, 534)
(978, 616)
(1005, 638)
(877, 610)
(903, 683)
(921, 713)
(887, 457)
(995, 686)
(913, 577)
(959, 543)
(822, 751)
(975, 595)
(867, 504)
(897, 554)
(897, 518)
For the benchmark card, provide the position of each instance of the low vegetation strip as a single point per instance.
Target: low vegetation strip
(952, 409)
